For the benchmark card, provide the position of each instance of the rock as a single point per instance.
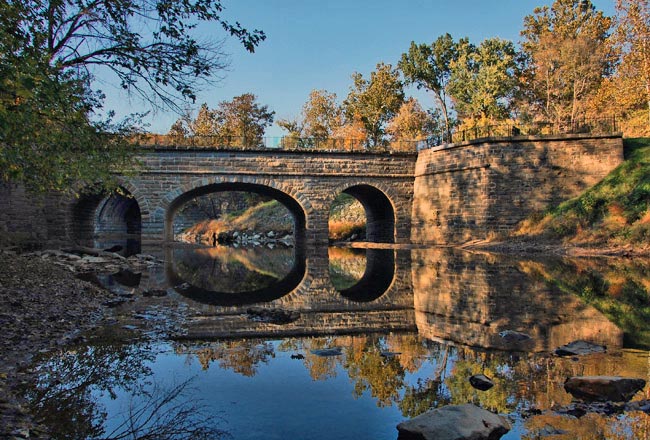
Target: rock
(603, 388)
(297, 356)
(326, 352)
(511, 336)
(115, 248)
(94, 260)
(272, 316)
(114, 302)
(389, 354)
(454, 422)
(154, 292)
(640, 405)
(579, 348)
(549, 430)
(481, 382)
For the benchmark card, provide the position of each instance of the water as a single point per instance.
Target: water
(405, 330)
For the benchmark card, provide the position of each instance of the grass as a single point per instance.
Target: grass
(616, 211)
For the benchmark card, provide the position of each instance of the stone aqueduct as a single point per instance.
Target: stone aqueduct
(448, 194)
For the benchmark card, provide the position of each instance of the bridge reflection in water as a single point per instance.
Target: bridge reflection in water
(458, 297)
(393, 349)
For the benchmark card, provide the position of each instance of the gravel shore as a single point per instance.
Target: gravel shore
(43, 306)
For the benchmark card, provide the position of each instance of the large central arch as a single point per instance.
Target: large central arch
(287, 200)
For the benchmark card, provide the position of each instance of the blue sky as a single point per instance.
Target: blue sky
(319, 44)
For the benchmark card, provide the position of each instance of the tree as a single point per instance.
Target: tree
(429, 67)
(412, 123)
(633, 40)
(565, 58)
(50, 137)
(242, 120)
(374, 101)
(482, 83)
(322, 114)
(237, 123)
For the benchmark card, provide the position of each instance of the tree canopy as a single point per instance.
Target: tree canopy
(240, 123)
(374, 101)
(50, 135)
(483, 79)
(429, 67)
(565, 58)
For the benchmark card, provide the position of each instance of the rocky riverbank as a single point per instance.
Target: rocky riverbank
(45, 306)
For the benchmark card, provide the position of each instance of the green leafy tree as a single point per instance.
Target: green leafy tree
(321, 114)
(565, 58)
(374, 101)
(483, 79)
(429, 67)
(50, 138)
(242, 121)
(295, 129)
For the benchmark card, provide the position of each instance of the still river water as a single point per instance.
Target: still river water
(404, 328)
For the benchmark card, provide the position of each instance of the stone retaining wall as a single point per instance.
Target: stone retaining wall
(477, 189)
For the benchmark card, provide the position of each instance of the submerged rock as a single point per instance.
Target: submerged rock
(511, 336)
(603, 388)
(481, 382)
(154, 292)
(325, 352)
(579, 348)
(454, 422)
(389, 354)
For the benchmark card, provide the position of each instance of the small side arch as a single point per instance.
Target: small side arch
(102, 212)
(379, 210)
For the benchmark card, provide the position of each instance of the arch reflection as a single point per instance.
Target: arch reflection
(377, 277)
(226, 276)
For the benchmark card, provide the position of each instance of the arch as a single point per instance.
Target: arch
(379, 209)
(376, 279)
(296, 204)
(102, 212)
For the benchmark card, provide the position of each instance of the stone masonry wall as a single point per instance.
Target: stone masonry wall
(447, 194)
(477, 189)
(313, 180)
(27, 218)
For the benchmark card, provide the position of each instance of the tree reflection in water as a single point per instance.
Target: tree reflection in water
(71, 385)
(467, 299)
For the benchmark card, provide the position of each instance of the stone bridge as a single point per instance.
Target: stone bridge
(448, 194)
(306, 183)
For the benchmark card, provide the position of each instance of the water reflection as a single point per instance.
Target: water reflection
(228, 276)
(123, 244)
(346, 266)
(472, 298)
(376, 279)
(436, 321)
